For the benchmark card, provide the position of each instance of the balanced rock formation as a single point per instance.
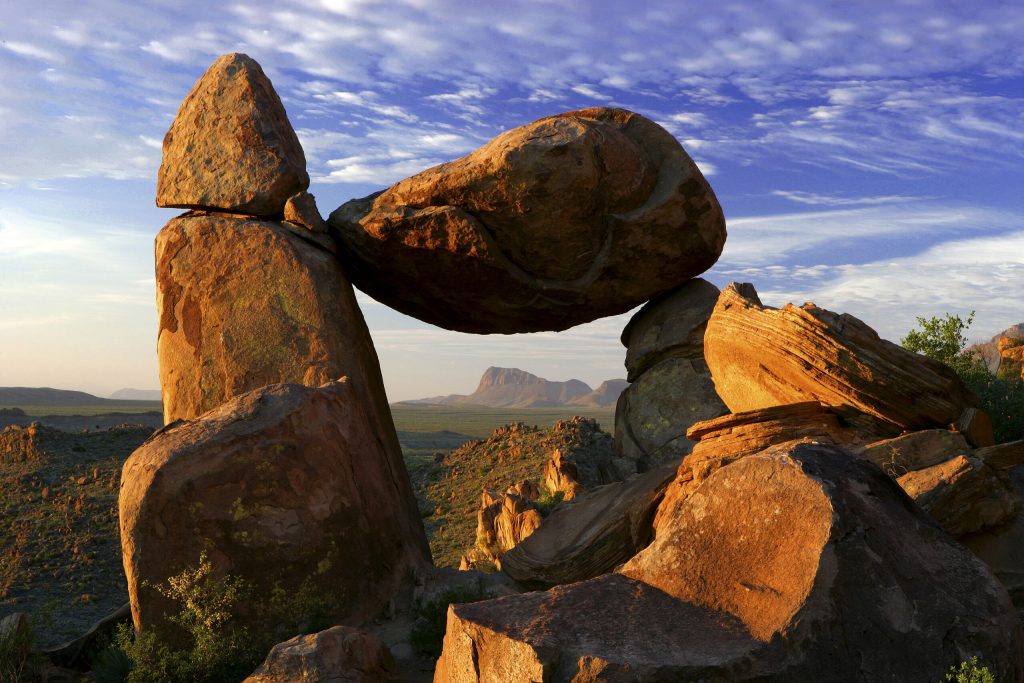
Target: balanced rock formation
(801, 563)
(570, 218)
(671, 387)
(338, 655)
(231, 146)
(762, 357)
(591, 535)
(282, 486)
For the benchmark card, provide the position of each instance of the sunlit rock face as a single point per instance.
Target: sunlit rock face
(570, 218)
(799, 563)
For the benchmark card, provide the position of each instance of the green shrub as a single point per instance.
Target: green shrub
(1000, 397)
(547, 501)
(17, 661)
(427, 635)
(216, 646)
(970, 672)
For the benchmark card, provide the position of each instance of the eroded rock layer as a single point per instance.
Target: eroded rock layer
(762, 357)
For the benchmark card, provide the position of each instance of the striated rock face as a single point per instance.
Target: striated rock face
(962, 494)
(590, 536)
(338, 655)
(671, 385)
(570, 218)
(800, 563)
(244, 303)
(762, 357)
(281, 486)
(231, 146)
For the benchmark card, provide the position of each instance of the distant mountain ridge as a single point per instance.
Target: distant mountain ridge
(127, 394)
(515, 388)
(45, 396)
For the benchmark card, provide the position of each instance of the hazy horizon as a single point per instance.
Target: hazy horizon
(869, 158)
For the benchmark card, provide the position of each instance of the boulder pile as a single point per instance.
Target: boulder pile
(784, 489)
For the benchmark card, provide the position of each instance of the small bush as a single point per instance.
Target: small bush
(17, 662)
(547, 501)
(427, 635)
(970, 672)
(216, 646)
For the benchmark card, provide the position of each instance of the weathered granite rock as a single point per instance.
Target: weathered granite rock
(915, 451)
(300, 209)
(560, 476)
(338, 655)
(963, 495)
(590, 536)
(504, 519)
(798, 564)
(570, 218)
(231, 146)
(762, 357)
(670, 326)
(280, 486)
(243, 303)
(654, 412)
(1011, 357)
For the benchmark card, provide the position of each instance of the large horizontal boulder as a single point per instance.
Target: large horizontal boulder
(570, 218)
(590, 535)
(801, 563)
(340, 654)
(915, 450)
(762, 357)
(285, 487)
(231, 146)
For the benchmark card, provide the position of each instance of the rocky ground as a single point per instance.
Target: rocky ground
(448, 491)
(60, 555)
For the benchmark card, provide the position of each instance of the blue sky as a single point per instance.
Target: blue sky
(869, 156)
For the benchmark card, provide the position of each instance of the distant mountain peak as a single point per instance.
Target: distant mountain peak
(515, 388)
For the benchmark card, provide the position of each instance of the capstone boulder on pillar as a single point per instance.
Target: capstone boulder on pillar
(231, 147)
(571, 218)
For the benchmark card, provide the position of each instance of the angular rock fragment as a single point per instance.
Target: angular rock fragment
(570, 218)
(340, 654)
(963, 495)
(590, 536)
(287, 487)
(1002, 456)
(300, 209)
(762, 357)
(231, 147)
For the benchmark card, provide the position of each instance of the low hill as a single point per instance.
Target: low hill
(136, 395)
(515, 388)
(44, 396)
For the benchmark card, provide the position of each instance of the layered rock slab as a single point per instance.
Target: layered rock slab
(286, 487)
(231, 146)
(801, 563)
(545, 227)
(762, 357)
